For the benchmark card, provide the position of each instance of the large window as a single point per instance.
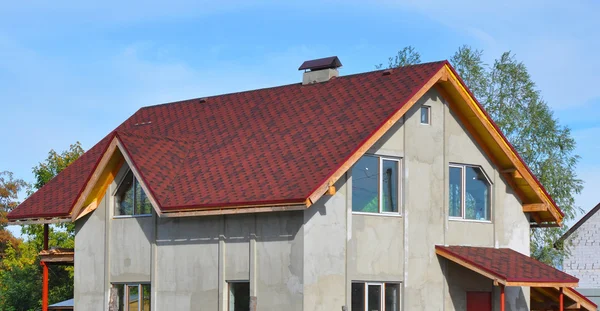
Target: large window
(130, 198)
(239, 296)
(469, 193)
(375, 296)
(133, 297)
(376, 185)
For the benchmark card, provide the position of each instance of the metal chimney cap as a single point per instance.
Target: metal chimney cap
(321, 63)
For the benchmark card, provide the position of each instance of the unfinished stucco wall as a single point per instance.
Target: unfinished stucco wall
(89, 267)
(198, 256)
(425, 215)
(325, 252)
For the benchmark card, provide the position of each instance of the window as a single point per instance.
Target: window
(469, 193)
(239, 296)
(133, 297)
(375, 296)
(130, 198)
(425, 115)
(376, 185)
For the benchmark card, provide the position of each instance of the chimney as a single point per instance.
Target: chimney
(320, 70)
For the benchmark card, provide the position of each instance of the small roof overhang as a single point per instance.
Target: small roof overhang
(547, 298)
(506, 266)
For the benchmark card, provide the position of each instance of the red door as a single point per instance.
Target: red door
(479, 301)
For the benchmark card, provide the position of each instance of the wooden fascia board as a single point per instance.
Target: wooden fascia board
(587, 305)
(39, 221)
(472, 267)
(543, 284)
(235, 210)
(139, 178)
(323, 188)
(94, 178)
(102, 184)
(520, 167)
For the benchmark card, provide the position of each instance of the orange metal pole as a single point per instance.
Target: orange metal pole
(502, 298)
(45, 273)
(561, 300)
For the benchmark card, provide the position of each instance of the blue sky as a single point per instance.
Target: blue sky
(72, 71)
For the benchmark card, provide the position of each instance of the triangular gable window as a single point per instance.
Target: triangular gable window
(130, 198)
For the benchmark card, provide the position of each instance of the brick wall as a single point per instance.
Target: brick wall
(584, 261)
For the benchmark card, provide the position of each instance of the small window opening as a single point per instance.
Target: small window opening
(239, 296)
(130, 198)
(425, 115)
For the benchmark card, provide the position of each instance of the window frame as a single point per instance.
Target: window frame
(428, 108)
(126, 286)
(463, 193)
(382, 285)
(380, 211)
(114, 197)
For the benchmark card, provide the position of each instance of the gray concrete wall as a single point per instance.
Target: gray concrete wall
(89, 268)
(584, 259)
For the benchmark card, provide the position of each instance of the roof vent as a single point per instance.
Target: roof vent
(320, 70)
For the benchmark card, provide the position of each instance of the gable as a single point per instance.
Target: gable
(276, 148)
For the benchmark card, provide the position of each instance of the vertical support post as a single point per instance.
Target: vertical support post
(502, 298)
(561, 300)
(45, 273)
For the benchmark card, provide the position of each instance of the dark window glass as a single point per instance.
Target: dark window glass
(239, 296)
(124, 197)
(390, 186)
(455, 192)
(358, 297)
(130, 198)
(365, 185)
(142, 203)
(392, 297)
(425, 114)
(374, 298)
(477, 200)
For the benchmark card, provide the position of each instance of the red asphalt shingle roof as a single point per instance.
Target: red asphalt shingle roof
(267, 146)
(508, 264)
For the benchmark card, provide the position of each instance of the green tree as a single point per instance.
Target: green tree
(20, 281)
(510, 96)
(9, 192)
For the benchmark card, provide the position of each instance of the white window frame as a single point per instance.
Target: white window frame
(140, 294)
(463, 193)
(380, 186)
(428, 108)
(114, 197)
(382, 293)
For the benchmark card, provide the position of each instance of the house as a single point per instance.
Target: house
(385, 190)
(583, 260)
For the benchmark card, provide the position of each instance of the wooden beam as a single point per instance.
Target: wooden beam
(322, 189)
(470, 266)
(108, 176)
(543, 284)
(231, 211)
(331, 190)
(535, 207)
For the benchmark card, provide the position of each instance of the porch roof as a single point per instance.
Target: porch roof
(547, 298)
(506, 266)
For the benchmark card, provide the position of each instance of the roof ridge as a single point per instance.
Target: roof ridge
(291, 84)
